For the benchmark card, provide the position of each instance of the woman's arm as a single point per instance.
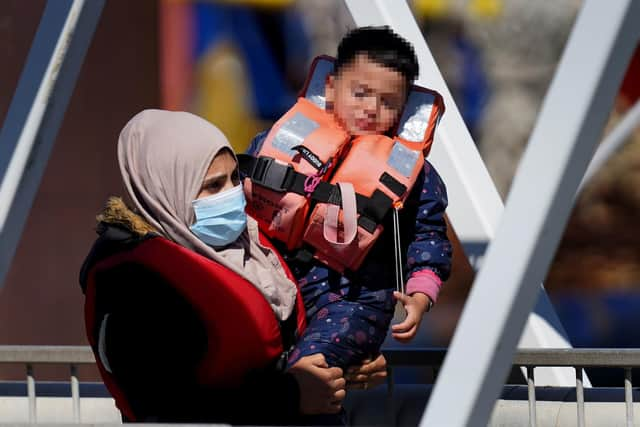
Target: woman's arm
(370, 374)
(154, 342)
(322, 389)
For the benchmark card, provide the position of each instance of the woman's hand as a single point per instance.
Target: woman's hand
(415, 305)
(370, 374)
(322, 388)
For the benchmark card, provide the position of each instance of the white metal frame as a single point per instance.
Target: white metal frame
(37, 109)
(613, 142)
(570, 123)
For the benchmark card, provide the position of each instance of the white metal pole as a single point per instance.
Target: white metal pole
(475, 206)
(570, 123)
(37, 110)
(613, 142)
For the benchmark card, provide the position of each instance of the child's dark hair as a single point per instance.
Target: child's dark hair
(381, 45)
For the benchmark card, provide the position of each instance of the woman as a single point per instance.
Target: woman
(188, 308)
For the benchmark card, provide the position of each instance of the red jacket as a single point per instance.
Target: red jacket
(177, 337)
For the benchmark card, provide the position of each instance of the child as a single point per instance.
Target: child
(349, 315)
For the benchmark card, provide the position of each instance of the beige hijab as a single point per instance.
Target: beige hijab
(163, 158)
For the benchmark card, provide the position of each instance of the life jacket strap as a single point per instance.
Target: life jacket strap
(372, 209)
(349, 217)
(290, 334)
(280, 177)
(266, 172)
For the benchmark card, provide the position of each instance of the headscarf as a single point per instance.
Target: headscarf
(164, 157)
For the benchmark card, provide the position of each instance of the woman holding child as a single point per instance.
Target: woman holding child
(171, 344)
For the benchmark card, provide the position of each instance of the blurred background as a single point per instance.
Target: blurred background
(240, 65)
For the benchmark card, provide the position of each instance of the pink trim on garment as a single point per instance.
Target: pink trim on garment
(425, 281)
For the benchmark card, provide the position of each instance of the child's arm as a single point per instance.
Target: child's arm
(428, 255)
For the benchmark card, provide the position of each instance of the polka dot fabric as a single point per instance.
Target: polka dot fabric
(344, 325)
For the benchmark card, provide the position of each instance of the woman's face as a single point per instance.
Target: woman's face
(222, 175)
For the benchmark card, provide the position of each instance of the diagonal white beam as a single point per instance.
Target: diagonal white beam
(570, 123)
(475, 206)
(613, 142)
(37, 110)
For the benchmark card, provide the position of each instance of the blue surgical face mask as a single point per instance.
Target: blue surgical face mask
(220, 218)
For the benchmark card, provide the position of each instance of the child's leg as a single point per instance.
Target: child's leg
(346, 333)
(345, 330)
(345, 324)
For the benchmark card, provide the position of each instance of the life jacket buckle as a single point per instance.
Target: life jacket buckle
(310, 184)
(283, 360)
(271, 174)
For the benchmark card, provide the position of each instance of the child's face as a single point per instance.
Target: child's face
(366, 97)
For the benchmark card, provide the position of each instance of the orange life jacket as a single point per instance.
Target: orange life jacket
(243, 333)
(301, 184)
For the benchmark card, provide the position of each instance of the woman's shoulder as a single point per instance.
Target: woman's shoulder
(116, 213)
(119, 229)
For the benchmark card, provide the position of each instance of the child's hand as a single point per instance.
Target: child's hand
(416, 305)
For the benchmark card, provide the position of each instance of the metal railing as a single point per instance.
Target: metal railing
(534, 358)
(63, 355)
(73, 356)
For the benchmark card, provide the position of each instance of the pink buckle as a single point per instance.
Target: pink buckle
(310, 184)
